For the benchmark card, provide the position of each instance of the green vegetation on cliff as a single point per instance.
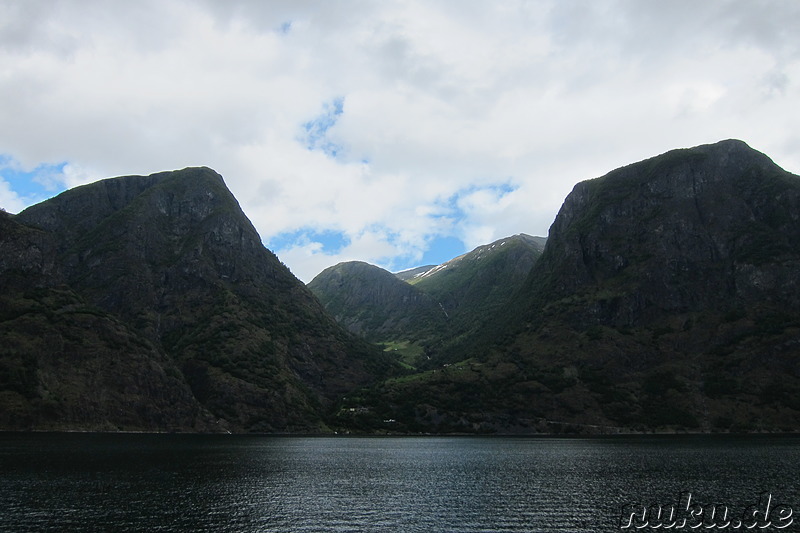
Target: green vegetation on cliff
(173, 266)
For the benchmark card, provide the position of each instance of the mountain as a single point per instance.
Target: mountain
(67, 365)
(377, 305)
(417, 313)
(480, 283)
(714, 227)
(673, 284)
(666, 298)
(158, 287)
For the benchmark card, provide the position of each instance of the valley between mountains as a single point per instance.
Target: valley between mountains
(666, 298)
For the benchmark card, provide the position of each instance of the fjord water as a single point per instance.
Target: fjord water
(124, 482)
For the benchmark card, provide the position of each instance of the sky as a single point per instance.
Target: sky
(397, 132)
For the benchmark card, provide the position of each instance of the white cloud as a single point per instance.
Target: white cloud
(441, 103)
(10, 200)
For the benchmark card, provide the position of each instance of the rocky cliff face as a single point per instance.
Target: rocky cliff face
(668, 291)
(67, 365)
(715, 226)
(172, 257)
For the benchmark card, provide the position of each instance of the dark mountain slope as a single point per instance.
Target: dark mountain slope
(67, 365)
(716, 226)
(667, 297)
(374, 303)
(173, 256)
(479, 283)
(672, 287)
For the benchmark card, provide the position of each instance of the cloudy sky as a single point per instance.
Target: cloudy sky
(395, 132)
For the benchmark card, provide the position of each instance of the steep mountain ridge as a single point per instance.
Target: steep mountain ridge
(172, 256)
(714, 225)
(668, 290)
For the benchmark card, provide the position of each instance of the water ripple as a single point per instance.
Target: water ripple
(265, 484)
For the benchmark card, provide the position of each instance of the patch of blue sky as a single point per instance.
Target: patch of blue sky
(331, 241)
(442, 249)
(34, 185)
(499, 189)
(504, 188)
(451, 209)
(315, 131)
(439, 249)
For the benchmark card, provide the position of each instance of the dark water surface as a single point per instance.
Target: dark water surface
(89, 482)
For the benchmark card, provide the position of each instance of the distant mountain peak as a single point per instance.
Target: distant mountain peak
(374, 303)
(477, 254)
